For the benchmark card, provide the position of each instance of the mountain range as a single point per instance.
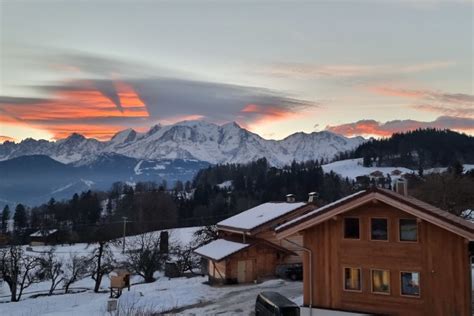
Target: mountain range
(33, 171)
(196, 140)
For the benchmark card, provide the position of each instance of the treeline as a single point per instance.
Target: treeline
(418, 149)
(216, 193)
(258, 182)
(148, 206)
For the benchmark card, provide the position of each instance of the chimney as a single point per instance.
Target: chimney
(290, 198)
(401, 186)
(164, 242)
(313, 197)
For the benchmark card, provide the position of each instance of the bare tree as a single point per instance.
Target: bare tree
(186, 259)
(18, 270)
(101, 262)
(76, 268)
(144, 256)
(52, 269)
(204, 235)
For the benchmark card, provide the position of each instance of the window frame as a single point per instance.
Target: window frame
(400, 233)
(344, 279)
(344, 227)
(388, 229)
(389, 282)
(419, 284)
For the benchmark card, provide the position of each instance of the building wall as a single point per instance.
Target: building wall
(440, 256)
(296, 238)
(264, 259)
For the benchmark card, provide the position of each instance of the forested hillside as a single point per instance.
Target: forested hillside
(422, 148)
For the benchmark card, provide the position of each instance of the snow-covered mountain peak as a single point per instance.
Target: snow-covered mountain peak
(197, 140)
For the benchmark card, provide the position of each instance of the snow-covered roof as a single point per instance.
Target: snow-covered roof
(259, 215)
(468, 215)
(309, 214)
(43, 233)
(220, 249)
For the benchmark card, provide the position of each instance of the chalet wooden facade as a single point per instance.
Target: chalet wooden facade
(44, 237)
(247, 249)
(381, 252)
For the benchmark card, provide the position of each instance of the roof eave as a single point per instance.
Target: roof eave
(257, 229)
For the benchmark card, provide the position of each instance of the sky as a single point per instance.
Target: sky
(367, 68)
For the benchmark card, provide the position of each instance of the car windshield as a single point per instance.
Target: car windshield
(289, 311)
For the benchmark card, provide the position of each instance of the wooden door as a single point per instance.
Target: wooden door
(245, 271)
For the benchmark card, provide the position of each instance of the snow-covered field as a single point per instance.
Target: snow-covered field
(353, 168)
(179, 295)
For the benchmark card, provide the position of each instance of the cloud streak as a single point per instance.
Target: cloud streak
(454, 104)
(379, 129)
(308, 71)
(108, 100)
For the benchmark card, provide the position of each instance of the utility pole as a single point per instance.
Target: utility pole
(124, 230)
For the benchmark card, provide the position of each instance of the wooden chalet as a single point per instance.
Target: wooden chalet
(44, 237)
(381, 252)
(247, 250)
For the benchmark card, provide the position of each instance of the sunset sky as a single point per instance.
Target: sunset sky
(366, 68)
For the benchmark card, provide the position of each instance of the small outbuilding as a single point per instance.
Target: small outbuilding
(44, 237)
(235, 262)
(119, 279)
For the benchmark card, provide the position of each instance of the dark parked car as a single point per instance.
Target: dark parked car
(272, 303)
(294, 273)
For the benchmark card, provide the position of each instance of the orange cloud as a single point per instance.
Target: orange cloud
(61, 113)
(6, 138)
(395, 92)
(261, 115)
(180, 118)
(101, 132)
(455, 104)
(372, 128)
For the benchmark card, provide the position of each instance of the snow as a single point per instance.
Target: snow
(225, 185)
(89, 183)
(468, 215)
(260, 214)
(190, 295)
(220, 249)
(353, 168)
(137, 168)
(67, 186)
(191, 140)
(43, 233)
(177, 295)
(317, 210)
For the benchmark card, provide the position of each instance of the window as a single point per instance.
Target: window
(408, 230)
(351, 228)
(378, 229)
(381, 281)
(352, 279)
(410, 283)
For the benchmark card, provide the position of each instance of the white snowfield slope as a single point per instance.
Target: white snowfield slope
(196, 140)
(219, 249)
(353, 168)
(259, 215)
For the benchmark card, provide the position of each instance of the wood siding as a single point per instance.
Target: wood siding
(296, 238)
(264, 262)
(440, 257)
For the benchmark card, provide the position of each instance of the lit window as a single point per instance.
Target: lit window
(381, 281)
(378, 229)
(410, 283)
(351, 228)
(408, 230)
(352, 279)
